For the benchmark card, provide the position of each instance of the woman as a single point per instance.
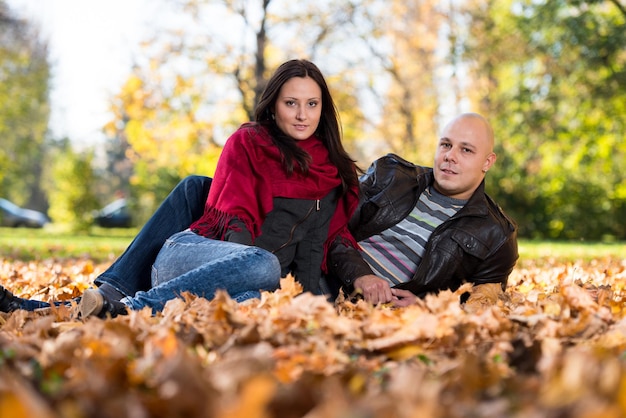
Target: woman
(284, 188)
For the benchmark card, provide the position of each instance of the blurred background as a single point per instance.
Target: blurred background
(110, 102)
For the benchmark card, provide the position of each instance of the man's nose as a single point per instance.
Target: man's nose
(450, 155)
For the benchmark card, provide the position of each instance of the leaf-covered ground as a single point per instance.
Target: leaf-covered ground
(553, 346)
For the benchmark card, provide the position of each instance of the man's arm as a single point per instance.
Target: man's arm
(497, 267)
(346, 264)
(374, 289)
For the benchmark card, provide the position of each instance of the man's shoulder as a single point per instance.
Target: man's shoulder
(395, 159)
(507, 223)
(396, 164)
(392, 172)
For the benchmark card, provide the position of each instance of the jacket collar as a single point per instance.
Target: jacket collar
(477, 203)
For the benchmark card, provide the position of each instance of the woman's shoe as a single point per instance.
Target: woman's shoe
(8, 301)
(95, 303)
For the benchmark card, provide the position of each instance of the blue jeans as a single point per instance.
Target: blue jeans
(191, 263)
(131, 272)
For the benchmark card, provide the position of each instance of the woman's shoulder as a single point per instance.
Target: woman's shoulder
(250, 134)
(253, 140)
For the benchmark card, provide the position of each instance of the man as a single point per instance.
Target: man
(420, 229)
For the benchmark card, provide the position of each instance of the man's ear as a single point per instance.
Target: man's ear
(489, 161)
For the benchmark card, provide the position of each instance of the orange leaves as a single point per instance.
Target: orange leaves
(19, 400)
(47, 279)
(552, 344)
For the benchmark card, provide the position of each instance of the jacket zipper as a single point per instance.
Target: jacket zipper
(296, 225)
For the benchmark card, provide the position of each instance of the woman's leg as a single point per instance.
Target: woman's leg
(191, 263)
(10, 302)
(130, 273)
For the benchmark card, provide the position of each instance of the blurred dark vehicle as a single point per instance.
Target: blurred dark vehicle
(14, 216)
(114, 215)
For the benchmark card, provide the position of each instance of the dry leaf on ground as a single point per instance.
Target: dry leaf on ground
(553, 344)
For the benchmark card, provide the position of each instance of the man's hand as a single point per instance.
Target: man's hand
(403, 297)
(375, 290)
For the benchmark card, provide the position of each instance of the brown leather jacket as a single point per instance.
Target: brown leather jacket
(477, 245)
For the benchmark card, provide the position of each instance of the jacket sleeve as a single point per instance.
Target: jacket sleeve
(345, 264)
(498, 266)
(473, 263)
(237, 232)
(376, 211)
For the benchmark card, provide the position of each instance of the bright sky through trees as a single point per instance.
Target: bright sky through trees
(91, 46)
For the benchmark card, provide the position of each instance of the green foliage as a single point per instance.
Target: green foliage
(150, 185)
(72, 197)
(178, 107)
(555, 88)
(24, 110)
(550, 75)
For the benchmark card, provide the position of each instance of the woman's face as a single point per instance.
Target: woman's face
(298, 108)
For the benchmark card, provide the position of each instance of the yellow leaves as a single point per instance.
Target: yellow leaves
(404, 352)
(256, 393)
(614, 337)
(553, 343)
(579, 376)
(19, 400)
(167, 129)
(483, 296)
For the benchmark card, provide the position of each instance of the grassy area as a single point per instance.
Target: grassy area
(105, 244)
(570, 251)
(32, 244)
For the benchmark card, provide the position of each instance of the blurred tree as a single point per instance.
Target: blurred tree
(113, 170)
(70, 187)
(161, 136)
(200, 84)
(552, 78)
(403, 40)
(24, 114)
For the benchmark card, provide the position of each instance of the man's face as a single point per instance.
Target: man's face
(463, 155)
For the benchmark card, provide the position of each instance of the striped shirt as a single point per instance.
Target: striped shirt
(395, 253)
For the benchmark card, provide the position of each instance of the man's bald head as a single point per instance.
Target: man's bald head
(464, 155)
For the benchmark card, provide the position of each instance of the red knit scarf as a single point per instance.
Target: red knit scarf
(250, 174)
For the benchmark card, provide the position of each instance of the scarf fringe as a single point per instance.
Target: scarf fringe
(215, 223)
